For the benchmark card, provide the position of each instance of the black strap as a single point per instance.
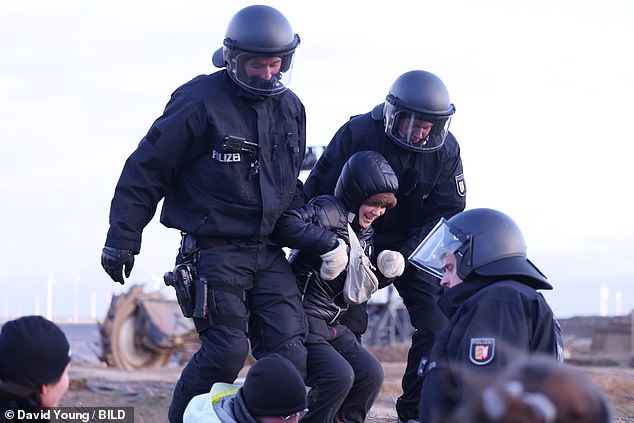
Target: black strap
(204, 242)
(230, 321)
(228, 288)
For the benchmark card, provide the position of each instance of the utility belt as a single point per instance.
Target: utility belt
(204, 242)
(192, 291)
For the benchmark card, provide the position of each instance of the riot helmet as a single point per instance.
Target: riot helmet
(417, 111)
(485, 242)
(258, 50)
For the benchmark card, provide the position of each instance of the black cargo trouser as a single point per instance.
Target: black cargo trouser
(420, 293)
(248, 281)
(344, 378)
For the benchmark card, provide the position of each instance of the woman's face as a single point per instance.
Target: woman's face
(368, 213)
(52, 393)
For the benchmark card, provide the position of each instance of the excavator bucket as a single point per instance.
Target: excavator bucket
(144, 330)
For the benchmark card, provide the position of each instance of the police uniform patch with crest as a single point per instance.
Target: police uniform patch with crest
(461, 187)
(481, 350)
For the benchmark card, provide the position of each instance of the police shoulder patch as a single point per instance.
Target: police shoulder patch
(461, 187)
(481, 350)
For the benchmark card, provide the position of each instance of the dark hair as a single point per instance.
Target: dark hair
(383, 199)
(537, 389)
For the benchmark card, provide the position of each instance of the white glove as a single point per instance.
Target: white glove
(334, 262)
(390, 263)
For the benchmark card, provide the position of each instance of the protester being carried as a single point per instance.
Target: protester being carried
(345, 379)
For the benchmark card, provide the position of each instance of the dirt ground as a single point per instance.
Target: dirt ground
(149, 390)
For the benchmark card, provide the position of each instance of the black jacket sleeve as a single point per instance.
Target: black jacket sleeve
(308, 228)
(173, 141)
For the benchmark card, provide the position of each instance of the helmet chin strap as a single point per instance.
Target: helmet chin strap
(257, 83)
(422, 141)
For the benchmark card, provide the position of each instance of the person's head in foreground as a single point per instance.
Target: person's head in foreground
(537, 390)
(274, 391)
(477, 243)
(34, 363)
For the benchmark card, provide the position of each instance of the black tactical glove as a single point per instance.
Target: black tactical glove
(114, 260)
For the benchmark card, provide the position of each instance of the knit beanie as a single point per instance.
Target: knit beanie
(33, 352)
(274, 387)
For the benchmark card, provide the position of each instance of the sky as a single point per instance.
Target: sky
(543, 91)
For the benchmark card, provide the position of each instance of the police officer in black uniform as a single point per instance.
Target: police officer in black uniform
(411, 130)
(225, 156)
(496, 315)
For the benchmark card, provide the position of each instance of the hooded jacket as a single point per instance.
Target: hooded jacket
(314, 229)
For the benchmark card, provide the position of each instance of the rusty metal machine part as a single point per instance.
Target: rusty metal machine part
(144, 330)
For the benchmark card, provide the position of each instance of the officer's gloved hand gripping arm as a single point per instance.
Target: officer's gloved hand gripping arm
(115, 261)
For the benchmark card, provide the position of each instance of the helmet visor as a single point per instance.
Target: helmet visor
(431, 254)
(261, 73)
(417, 131)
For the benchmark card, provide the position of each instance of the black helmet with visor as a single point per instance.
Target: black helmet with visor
(258, 32)
(416, 100)
(485, 242)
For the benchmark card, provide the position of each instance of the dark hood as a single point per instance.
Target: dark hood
(365, 174)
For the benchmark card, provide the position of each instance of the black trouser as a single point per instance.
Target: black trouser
(420, 295)
(345, 379)
(247, 281)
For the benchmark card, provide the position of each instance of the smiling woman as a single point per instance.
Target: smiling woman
(344, 377)
(375, 207)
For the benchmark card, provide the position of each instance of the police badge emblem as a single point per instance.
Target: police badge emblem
(482, 350)
(461, 187)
